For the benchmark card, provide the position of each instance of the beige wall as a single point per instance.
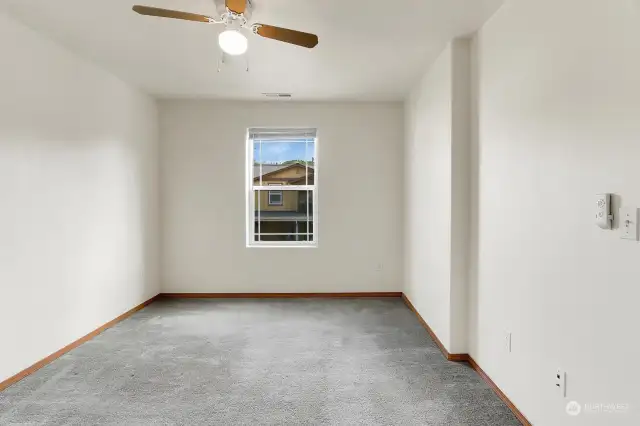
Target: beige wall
(204, 198)
(78, 197)
(558, 110)
(428, 197)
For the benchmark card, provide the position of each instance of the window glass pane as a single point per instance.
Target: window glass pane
(309, 161)
(277, 160)
(275, 198)
(280, 159)
(291, 220)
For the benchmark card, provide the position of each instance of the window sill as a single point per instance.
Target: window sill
(288, 245)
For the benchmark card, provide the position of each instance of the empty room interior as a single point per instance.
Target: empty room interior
(299, 212)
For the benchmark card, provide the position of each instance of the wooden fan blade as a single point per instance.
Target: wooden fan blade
(175, 14)
(288, 36)
(237, 6)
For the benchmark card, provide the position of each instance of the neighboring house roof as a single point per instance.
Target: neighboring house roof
(291, 180)
(268, 169)
(303, 179)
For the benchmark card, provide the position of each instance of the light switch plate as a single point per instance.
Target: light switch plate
(629, 223)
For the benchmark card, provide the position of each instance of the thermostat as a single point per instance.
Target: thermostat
(603, 211)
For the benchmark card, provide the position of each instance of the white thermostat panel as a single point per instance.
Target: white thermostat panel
(603, 211)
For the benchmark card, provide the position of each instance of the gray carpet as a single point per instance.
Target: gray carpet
(258, 362)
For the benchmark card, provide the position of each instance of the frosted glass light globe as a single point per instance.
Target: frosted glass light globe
(233, 42)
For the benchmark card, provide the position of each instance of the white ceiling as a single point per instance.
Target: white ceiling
(369, 49)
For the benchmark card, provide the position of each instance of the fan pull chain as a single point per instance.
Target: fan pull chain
(220, 61)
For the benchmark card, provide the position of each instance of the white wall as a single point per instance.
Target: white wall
(203, 202)
(558, 122)
(436, 198)
(78, 205)
(460, 187)
(428, 197)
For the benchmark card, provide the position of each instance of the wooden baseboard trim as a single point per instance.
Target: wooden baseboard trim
(280, 295)
(445, 352)
(467, 358)
(38, 365)
(498, 392)
(458, 357)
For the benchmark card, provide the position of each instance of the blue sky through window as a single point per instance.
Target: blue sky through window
(279, 152)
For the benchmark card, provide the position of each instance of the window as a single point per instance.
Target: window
(275, 197)
(286, 158)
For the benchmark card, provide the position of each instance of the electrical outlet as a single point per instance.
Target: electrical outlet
(379, 267)
(507, 341)
(561, 382)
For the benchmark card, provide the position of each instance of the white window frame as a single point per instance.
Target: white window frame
(280, 193)
(251, 189)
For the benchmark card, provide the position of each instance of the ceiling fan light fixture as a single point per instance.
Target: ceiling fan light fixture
(233, 42)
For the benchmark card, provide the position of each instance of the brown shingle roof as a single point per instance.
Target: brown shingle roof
(270, 168)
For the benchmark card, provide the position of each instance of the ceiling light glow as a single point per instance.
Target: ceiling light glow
(232, 42)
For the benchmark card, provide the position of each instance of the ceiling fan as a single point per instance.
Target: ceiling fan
(235, 15)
